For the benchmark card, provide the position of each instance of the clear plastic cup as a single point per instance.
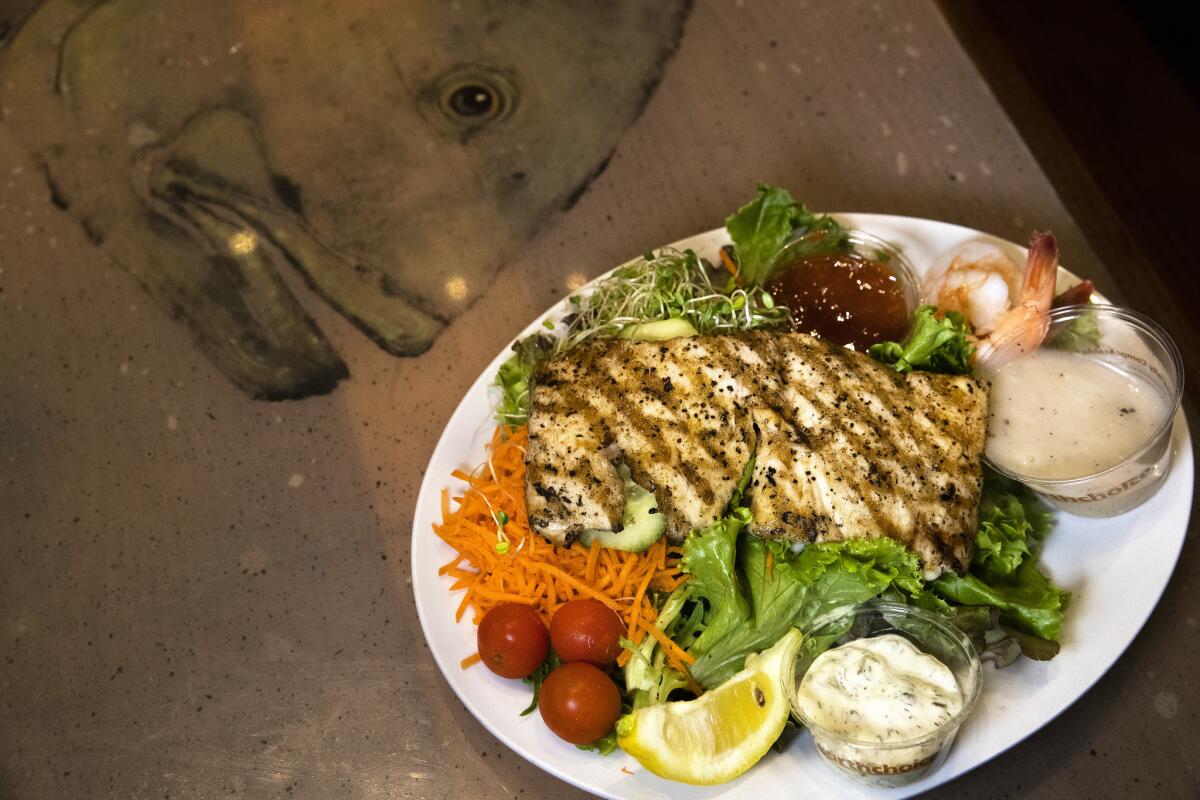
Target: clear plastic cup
(1130, 343)
(893, 763)
(858, 291)
(870, 246)
(874, 248)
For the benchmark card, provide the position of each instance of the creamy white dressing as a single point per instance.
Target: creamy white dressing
(881, 689)
(1057, 415)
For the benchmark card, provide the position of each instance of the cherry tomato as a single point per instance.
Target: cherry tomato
(512, 640)
(587, 630)
(579, 702)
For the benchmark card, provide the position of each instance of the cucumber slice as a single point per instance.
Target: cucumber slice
(658, 331)
(642, 523)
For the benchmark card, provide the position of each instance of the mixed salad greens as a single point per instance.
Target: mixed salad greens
(743, 593)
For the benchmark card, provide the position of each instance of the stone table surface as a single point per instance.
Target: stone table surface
(204, 595)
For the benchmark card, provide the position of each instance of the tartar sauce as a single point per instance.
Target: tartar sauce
(880, 689)
(1057, 415)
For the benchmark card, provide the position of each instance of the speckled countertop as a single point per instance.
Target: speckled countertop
(204, 595)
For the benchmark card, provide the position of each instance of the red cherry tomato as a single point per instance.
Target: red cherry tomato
(587, 630)
(579, 702)
(512, 640)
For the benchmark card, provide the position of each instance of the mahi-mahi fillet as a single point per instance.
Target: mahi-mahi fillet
(844, 447)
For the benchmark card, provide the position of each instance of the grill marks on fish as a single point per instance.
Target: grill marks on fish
(856, 465)
(843, 446)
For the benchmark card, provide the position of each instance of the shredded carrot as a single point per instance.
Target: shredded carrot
(636, 616)
(673, 651)
(728, 263)
(769, 564)
(589, 573)
(471, 660)
(534, 571)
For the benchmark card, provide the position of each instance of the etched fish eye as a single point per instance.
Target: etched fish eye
(470, 97)
(473, 100)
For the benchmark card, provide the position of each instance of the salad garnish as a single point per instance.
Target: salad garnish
(932, 345)
(1004, 574)
(745, 592)
(762, 227)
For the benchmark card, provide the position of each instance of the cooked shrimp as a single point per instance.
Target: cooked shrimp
(1022, 328)
(979, 281)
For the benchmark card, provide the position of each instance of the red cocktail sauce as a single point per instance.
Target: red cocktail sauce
(844, 297)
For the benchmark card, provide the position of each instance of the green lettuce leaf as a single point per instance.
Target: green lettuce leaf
(1081, 334)
(739, 491)
(771, 589)
(1011, 529)
(1029, 602)
(931, 345)
(1032, 647)
(538, 677)
(515, 377)
(1000, 544)
(762, 227)
(1004, 573)
(744, 592)
(605, 745)
(710, 557)
(773, 598)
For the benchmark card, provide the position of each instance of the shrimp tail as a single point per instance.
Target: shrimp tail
(1041, 271)
(1022, 328)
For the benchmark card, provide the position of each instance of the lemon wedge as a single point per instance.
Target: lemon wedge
(721, 734)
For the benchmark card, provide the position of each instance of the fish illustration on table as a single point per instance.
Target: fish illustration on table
(391, 155)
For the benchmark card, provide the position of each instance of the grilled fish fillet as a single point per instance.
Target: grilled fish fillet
(843, 446)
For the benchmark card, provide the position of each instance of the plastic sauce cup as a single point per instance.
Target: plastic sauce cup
(852, 307)
(1127, 342)
(887, 253)
(896, 763)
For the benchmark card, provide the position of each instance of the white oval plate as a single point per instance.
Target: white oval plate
(1116, 569)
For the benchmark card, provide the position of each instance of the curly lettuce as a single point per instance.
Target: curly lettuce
(1004, 572)
(931, 345)
(1012, 526)
(1080, 335)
